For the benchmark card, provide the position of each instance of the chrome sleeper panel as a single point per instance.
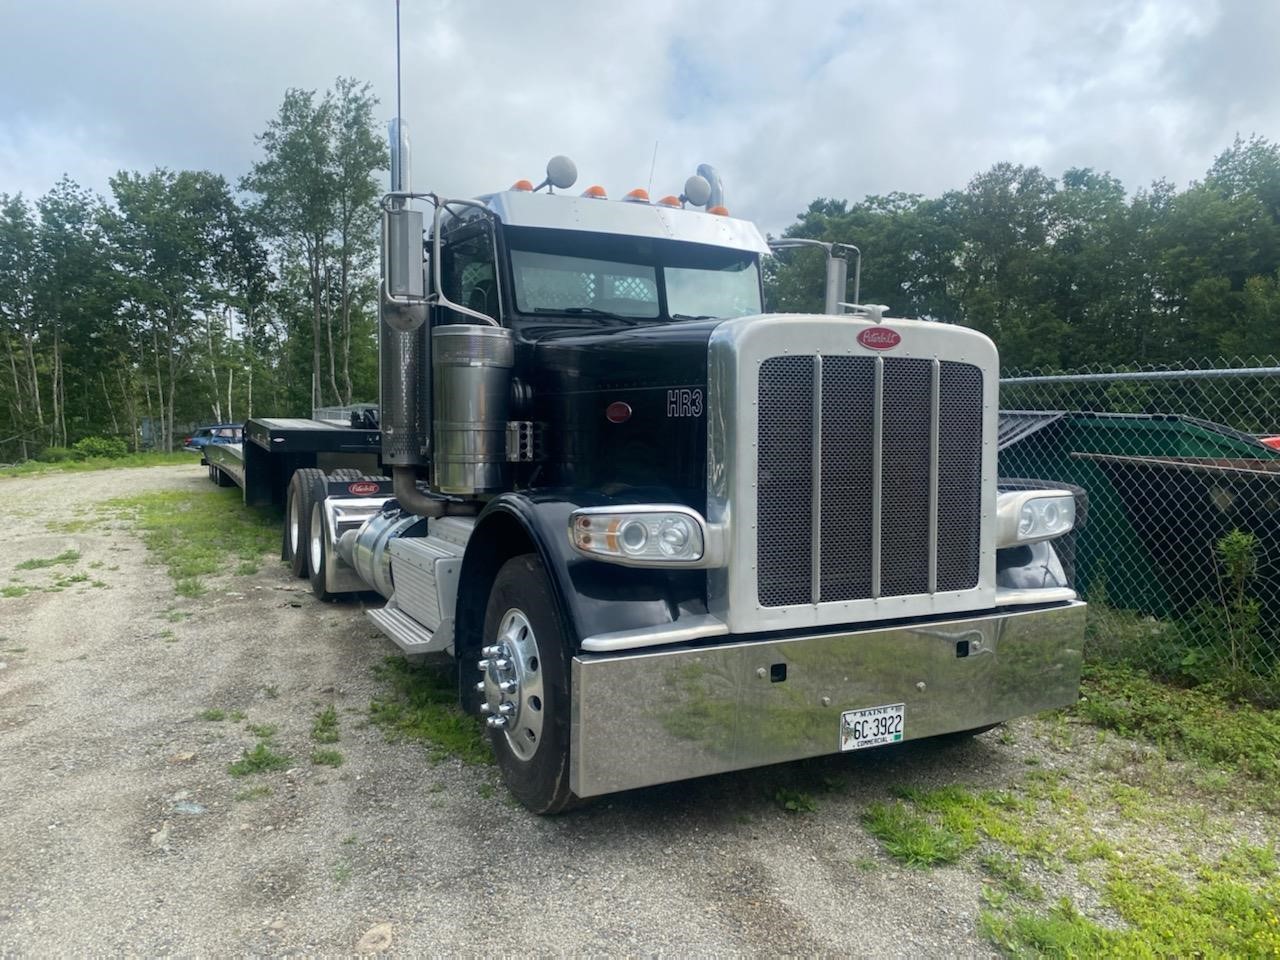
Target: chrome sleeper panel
(671, 714)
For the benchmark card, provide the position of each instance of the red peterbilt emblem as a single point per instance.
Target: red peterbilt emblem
(362, 487)
(879, 338)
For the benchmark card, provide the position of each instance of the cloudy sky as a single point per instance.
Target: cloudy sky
(790, 99)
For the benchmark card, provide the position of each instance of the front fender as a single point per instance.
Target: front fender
(594, 596)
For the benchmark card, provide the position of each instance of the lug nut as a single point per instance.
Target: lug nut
(508, 686)
(496, 723)
(486, 707)
(482, 666)
(490, 651)
(480, 687)
(501, 664)
(506, 708)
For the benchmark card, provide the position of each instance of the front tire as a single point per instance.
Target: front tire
(526, 686)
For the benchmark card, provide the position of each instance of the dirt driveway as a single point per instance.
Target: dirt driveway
(121, 829)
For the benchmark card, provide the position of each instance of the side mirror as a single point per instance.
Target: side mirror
(402, 254)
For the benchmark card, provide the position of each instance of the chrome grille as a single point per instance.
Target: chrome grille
(886, 452)
(785, 482)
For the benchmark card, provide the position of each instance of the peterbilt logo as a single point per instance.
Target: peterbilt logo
(684, 403)
(879, 338)
(362, 487)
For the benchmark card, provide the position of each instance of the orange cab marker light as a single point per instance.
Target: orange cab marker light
(638, 195)
(719, 211)
(526, 185)
(670, 201)
(596, 192)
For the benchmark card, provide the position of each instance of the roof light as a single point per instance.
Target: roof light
(596, 192)
(669, 201)
(526, 185)
(718, 211)
(638, 195)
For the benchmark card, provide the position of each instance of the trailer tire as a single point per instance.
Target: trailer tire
(318, 556)
(532, 750)
(346, 473)
(304, 487)
(220, 478)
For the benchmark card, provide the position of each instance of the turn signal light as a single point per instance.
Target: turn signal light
(526, 185)
(638, 195)
(596, 192)
(719, 211)
(669, 201)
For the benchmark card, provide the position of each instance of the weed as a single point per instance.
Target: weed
(1190, 723)
(342, 873)
(271, 691)
(422, 705)
(236, 715)
(176, 527)
(260, 759)
(866, 864)
(256, 792)
(246, 568)
(176, 616)
(100, 584)
(326, 758)
(1009, 873)
(40, 563)
(213, 714)
(94, 565)
(486, 790)
(913, 839)
(264, 731)
(349, 840)
(14, 590)
(72, 578)
(794, 801)
(324, 729)
(168, 636)
(29, 467)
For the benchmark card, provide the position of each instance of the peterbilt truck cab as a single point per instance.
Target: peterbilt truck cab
(665, 533)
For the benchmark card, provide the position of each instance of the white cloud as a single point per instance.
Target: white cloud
(790, 101)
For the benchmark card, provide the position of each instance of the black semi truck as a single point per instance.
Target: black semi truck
(664, 533)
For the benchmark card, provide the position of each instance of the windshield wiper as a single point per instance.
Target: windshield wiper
(590, 312)
(694, 316)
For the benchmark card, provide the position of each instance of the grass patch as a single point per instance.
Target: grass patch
(213, 714)
(326, 757)
(256, 792)
(40, 563)
(324, 729)
(794, 801)
(264, 731)
(1230, 908)
(14, 590)
(422, 704)
(914, 839)
(1194, 724)
(261, 759)
(237, 715)
(29, 467)
(198, 533)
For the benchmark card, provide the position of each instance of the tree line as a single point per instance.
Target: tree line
(182, 298)
(1067, 272)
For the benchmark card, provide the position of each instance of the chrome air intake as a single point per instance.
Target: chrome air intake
(366, 550)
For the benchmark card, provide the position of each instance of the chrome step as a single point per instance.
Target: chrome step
(406, 633)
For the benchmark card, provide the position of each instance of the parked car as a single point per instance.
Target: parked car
(215, 433)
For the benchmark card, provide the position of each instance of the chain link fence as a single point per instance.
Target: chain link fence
(1180, 556)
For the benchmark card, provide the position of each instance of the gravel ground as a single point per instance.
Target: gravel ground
(122, 832)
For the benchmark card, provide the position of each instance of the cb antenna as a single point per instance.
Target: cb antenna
(397, 64)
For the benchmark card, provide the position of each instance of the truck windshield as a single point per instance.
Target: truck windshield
(607, 278)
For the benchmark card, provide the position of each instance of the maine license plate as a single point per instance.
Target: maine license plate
(872, 727)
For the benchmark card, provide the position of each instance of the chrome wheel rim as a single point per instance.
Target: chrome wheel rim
(294, 524)
(514, 700)
(317, 538)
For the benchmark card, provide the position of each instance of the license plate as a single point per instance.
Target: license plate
(872, 727)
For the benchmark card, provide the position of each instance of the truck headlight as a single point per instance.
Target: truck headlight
(1029, 516)
(641, 535)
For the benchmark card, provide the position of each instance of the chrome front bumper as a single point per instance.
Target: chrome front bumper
(647, 717)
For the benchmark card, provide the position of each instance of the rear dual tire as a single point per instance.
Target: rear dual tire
(306, 488)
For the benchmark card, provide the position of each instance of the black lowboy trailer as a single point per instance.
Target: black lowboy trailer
(663, 533)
